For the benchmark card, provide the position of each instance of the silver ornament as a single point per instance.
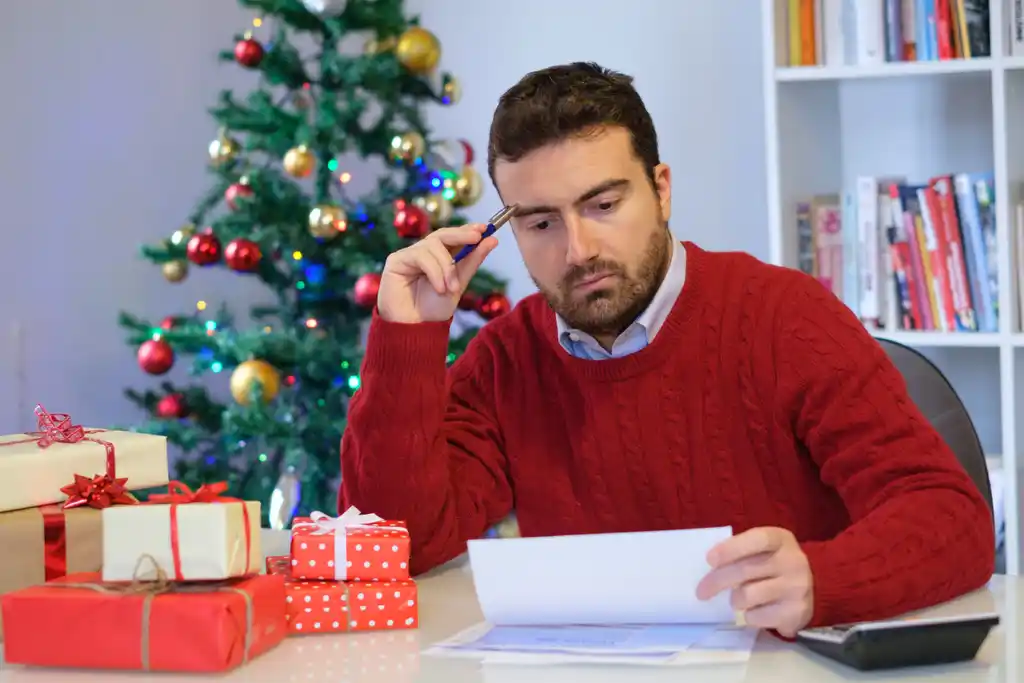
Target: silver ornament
(326, 8)
(284, 500)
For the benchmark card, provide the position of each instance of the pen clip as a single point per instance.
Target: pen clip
(502, 217)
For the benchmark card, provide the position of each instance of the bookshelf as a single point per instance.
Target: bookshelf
(828, 125)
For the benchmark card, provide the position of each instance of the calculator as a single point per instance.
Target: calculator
(901, 643)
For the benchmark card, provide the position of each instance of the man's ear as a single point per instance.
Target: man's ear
(663, 186)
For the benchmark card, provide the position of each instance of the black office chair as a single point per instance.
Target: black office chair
(938, 401)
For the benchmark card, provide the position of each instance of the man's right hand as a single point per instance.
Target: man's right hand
(422, 283)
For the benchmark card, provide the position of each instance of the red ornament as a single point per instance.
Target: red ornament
(365, 290)
(100, 492)
(234, 191)
(203, 249)
(469, 151)
(249, 53)
(411, 221)
(169, 322)
(494, 305)
(172, 406)
(156, 356)
(469, 302)
(242, 255)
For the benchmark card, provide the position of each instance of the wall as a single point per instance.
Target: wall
(104, 132)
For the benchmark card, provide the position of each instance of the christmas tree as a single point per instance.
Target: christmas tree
(279, 211)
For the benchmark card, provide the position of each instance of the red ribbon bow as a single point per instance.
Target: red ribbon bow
(178, 493)
(100, 491)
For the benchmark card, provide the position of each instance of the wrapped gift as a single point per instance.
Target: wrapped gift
(64, 462)
(195, 535)
(315, 606)
(79, 621)
(352, 547)
(46, 543)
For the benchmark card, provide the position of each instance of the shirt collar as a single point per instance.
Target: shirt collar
(653, 317)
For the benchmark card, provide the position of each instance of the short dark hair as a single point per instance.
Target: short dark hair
(556, 103)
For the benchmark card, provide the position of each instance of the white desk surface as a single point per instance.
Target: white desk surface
(448, 605)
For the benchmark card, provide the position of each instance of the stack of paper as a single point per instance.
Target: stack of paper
(648, 644)
(600, 598)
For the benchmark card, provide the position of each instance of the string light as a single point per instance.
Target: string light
(332, 165)
(345, 177)
(353, 382)
(257, 22)
(200, 305)
(268, 329)
(216, 366)
(262, 457)
(297, 255)
(311, 323)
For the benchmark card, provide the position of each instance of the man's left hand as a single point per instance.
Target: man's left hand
(769, 578)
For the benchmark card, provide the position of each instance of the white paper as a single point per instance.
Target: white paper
(646, 577)
(665, 645)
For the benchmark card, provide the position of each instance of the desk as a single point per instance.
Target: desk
(448, 605)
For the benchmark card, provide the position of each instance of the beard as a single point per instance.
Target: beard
(609, 311)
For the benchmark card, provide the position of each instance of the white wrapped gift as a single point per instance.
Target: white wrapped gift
(187, 536)
(35, 466)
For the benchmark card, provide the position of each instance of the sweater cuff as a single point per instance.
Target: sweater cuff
(406, 349)
(827, 579)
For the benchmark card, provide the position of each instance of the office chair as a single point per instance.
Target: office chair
(938, 401)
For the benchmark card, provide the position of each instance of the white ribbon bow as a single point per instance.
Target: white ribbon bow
(350, 519)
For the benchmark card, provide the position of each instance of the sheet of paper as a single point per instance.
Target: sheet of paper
(646, 577)
(642, 645)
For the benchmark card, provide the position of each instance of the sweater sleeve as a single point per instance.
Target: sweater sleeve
(421, 442)
(920, 532)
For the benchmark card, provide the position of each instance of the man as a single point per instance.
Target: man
(653, 385)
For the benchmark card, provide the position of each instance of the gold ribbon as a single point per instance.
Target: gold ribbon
(162, 585)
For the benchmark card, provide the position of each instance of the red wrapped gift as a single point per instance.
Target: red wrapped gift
(315, 606)
(79, 621)
(352, 547)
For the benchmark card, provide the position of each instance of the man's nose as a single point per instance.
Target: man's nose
(582, 246)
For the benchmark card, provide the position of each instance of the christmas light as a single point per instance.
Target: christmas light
(345, 177)
(262, 457)
(211, 325)
(257, 22)
(216, 366)
(311, 323)
(332, 165)
(268, 329)
(353, 382)
(200, 305)
(297, 255)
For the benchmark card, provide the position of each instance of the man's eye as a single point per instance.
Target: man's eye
(541, 225)
(606, 205)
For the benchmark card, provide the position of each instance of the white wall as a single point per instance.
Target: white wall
(104, 135)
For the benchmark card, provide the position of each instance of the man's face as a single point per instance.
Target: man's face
(591, 229)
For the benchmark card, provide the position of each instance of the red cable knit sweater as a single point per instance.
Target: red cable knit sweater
(762, 401)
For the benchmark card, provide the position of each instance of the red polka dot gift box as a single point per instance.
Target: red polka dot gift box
(352, 547)
(314, 606)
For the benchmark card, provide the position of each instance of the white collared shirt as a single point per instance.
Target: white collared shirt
(639, 334)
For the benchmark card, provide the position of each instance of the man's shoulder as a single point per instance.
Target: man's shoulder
(748, 271)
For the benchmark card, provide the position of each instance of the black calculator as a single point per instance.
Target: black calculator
(901, 643)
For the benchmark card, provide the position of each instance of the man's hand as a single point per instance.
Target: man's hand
(769, 578)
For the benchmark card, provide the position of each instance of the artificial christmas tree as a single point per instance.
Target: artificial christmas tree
(278, 212)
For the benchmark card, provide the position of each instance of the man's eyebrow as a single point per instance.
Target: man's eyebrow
(601, 188)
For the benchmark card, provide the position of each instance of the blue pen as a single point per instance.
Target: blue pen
(497, 220)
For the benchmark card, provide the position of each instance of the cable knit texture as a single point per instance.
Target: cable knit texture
(761, 402)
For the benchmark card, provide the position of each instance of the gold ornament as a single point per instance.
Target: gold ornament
(299, 161)
(223, 149)
(437, 207)
(175, 271)
(407, 148)
(327, 221)
(468, 187)
(181, 236)
(246, 375)
(451, 90)
(418, 50)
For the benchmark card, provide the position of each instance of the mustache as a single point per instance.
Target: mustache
(580, 273)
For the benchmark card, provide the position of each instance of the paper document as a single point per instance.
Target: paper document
(656, 644)
(647, 577)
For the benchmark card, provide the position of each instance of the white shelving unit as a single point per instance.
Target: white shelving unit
(827, 125)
